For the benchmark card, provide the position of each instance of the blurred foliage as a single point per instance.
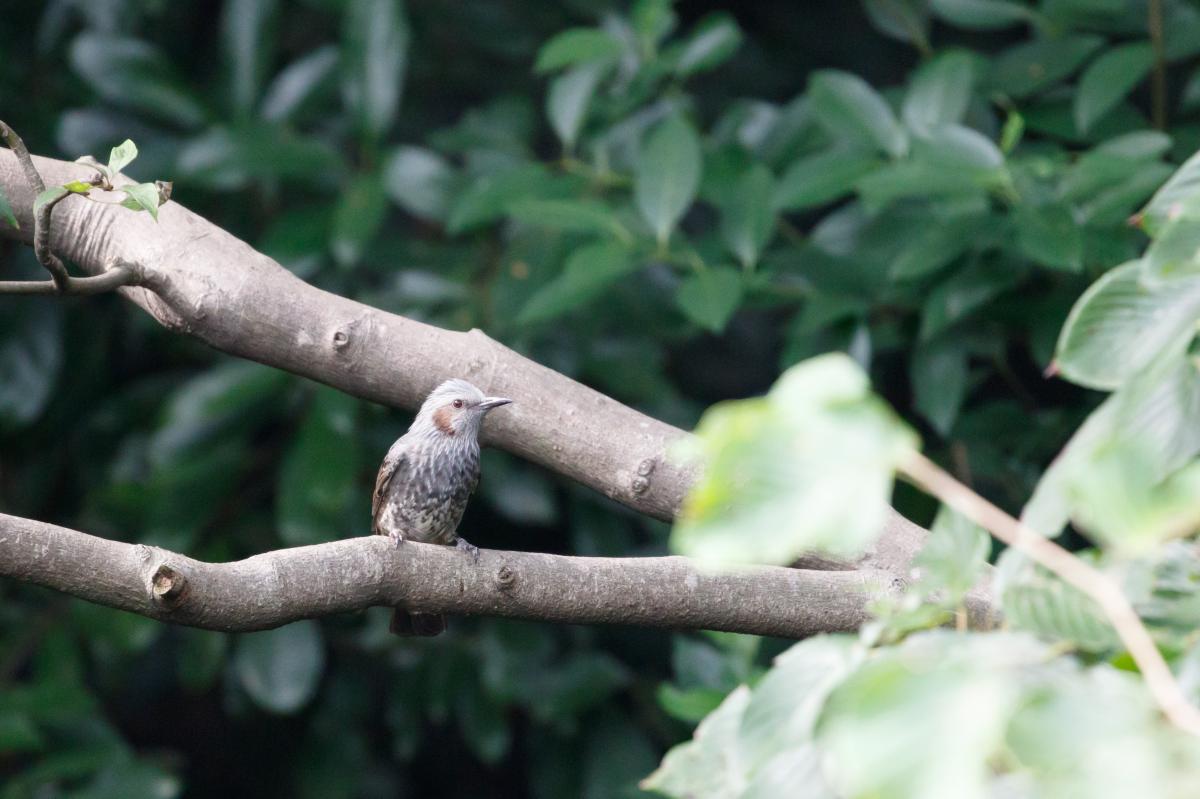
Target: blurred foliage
(673, 204)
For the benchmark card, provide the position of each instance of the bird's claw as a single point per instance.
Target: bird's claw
(397, 538)
(463, 546)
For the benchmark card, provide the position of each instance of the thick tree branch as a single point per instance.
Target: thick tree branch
(196, 278)
(306, 582)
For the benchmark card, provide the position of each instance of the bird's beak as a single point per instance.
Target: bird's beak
(493, 402)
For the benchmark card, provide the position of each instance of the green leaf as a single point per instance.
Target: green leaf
(420, 181)
(954, 555)
(1119, 325)
(667, 175)
(49, 195)
(6, 211)
(248, 45)
(714, 39)
(847, 107)
(811, 463)
(568, 99)
(1174, 253)
(748, 218)
(359, 213)
(710, 297)
(375, 46)
(577, 46)
(1027, 68)
(1050, 236)
(298, 83)
(317, 497)
(589, 271)
(936, 244)
(78, 187)
(229, 158)
(939, 92)
(131, 73)
(487, 198)
(708, 765)
(1039, 602)
(818, 179)
(121, 156)
(1108, 79)
(786, 703)
(579, 216)
(984, 15)
(1178, 196)
(938, 376)
(280, 668)
(142, 197)
(906, 20)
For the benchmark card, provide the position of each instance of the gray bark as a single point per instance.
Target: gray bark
(278, 587)
(195, 278)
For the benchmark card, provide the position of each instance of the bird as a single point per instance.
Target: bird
(426, 479)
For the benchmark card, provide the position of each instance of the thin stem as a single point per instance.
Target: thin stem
(114, 278)
(1166, 691)
(41, 221)
(1158, 84)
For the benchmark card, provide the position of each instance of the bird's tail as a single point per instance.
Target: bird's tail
(410, 624)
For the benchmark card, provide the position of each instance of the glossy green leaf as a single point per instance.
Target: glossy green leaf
(938, 376)
(280, 668)
(1108, 79)
(247, 41)
(710, 297)
(298, 83)
(580, 216)
(1174, 253)
(712, 42)
(1050, 236)
(359, 213)
(939, 92)
(812, 462)
(131, 73)
(376, 38)
(848, 108)
(589, 271)
(982, 14)
(667, 175)
(576, 46)
(1179, 195)
(568, 98)
(748, 218)
(142, 197)
(420, 181)
(121, 156)
(822, 178)
(1028, 68)
(317, 498)
(1119, 325)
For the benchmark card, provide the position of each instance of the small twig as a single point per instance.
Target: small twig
(1158, 84)
(41, 223)
(113, 278)
(1166, 691)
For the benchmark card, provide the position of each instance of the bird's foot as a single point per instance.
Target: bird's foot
(462, 545)
(397, 538)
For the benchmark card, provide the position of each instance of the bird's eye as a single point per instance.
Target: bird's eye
(457, 403)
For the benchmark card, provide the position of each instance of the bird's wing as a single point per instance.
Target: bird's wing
(387, 470)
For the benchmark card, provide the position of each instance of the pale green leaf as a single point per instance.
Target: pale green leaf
(376, 39)
(1108, 79)
(1027, 68)
(579, 216)
(747, 217)
(247, 41)
(1050, 236)
(710, 297)
(668, 175)
(847, 107)
(420, 181)
(713, 41)
(982, 14)
(1175, 251)
(939, 92)
(280, 668)
(121, 156)
(821, 178)
(577, 46)
(589, 271)
(568, 99)
(142, 197)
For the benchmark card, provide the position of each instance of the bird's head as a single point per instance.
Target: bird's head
(456, 409)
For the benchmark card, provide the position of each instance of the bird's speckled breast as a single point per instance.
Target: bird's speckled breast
(428, 501)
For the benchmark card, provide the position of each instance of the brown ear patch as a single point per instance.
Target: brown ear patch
(442, 421)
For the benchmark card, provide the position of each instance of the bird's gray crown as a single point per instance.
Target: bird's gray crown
(454, 410)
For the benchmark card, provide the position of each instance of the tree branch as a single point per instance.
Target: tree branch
(198, 279)
(278, 587)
